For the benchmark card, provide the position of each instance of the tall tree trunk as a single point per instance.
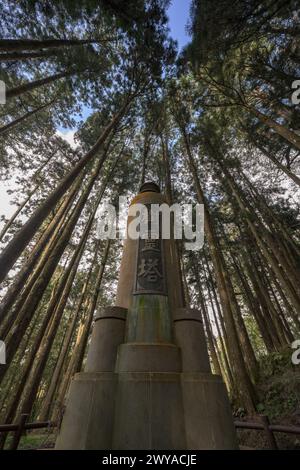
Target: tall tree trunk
(271, 157)
(57, 306)
(170, 200)
(77, 356)
(11, 253)
(20, 89)
(41, 283)
(272, 252)
(254, 307)
(9, 56)
(230, 379)
(36, 44)
(14, 374)
(281, 130)
(209, 333)
(27, 199)
(49, 398)
(168, 179)
(50, 233)
(250, 358)
(54, 311)
(92, 306)
(15, 401)
(223, 355)
(16, 122)
(273, 256)
(292, 249)
(276, 246)
(247, 392)
(270, 313)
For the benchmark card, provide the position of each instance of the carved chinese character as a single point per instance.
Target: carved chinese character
(151, 245)
(149, 269)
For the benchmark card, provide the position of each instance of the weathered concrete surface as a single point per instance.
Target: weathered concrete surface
(189, 336)
(108, 334)
(134, 357)
(88, 420)
(149, 320)
(207, 412)
(149, 412)
(128, 263)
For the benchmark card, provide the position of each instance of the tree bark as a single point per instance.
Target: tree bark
(11, 253)
(281, 130)
(48, 400)
(26, 200)
(18, 121)
(77, 357)
(9, 56)
(209, 333)
(54, 312)
(247, 391)
(20, 89)
(36, 44)
(49, 234)
(41, 283)
(274, 160)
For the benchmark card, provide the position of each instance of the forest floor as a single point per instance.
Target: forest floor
(35, 441)
(279, 391)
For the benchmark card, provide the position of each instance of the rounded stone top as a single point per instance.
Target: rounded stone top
(149, 187)
(111, 312)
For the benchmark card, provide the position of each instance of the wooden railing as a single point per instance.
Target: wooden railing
(263, 424)
(22, 426)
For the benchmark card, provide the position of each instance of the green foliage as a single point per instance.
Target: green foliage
(279, 386)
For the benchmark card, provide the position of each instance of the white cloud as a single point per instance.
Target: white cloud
(68, 136)
(6, 207)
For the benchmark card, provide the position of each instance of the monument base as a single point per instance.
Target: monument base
(147, 410)
(147, 395)
(207, 412)
(88, 420)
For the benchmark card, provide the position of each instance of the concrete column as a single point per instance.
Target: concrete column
(147, 196)
(189, 336)
(108, 334)
(88, 420)
(89, 415)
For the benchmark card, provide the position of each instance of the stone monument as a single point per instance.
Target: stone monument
(147, 382)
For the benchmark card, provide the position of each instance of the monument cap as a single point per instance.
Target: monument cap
(149, 186)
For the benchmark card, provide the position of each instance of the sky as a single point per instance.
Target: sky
(178, 14)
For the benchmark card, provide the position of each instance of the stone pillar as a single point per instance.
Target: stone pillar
(148, 384)
(190, 337)
(207, 411)
(108, 334)
(88, 419)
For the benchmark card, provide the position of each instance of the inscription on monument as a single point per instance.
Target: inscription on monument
(150, 269)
